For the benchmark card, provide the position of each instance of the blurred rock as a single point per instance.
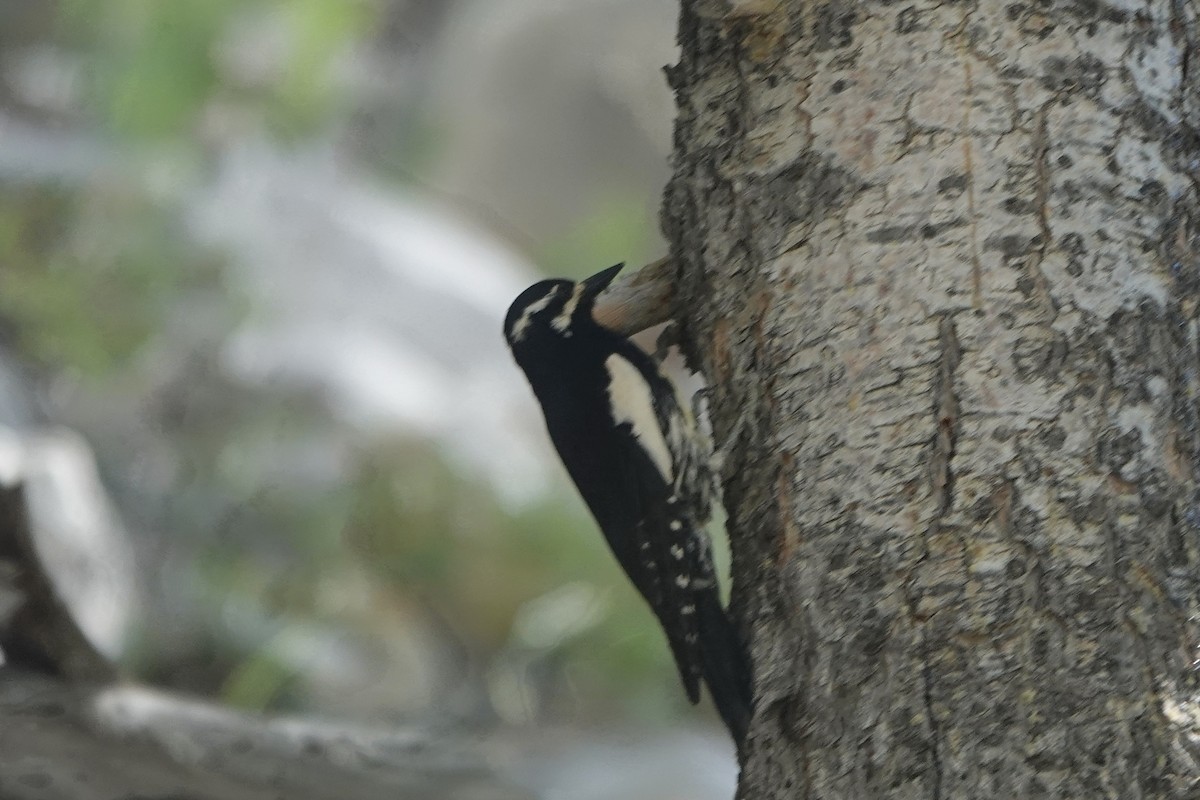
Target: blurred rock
(32, 153)
(548, 107)
(81, 542)
(17, 403)
(386, 306)
(636, 765)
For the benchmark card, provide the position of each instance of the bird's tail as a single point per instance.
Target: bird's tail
(726, 666)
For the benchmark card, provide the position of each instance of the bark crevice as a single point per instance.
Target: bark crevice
(935, 735)
(1041, 150)
(946, 419)
(944, 443)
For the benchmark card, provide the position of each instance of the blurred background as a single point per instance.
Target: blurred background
(254, 258)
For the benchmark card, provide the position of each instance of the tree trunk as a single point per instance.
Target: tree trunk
(941, 264)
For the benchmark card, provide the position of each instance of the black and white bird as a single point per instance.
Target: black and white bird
(634, 456)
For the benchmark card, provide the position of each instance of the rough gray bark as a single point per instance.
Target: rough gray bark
(940, 262)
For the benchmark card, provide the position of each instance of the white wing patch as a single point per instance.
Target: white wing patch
(518, 328)
(632, 401)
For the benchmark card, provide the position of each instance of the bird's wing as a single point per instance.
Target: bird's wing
(664, 566)
(626, 478)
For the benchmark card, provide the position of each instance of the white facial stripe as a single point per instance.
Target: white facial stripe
(632, 402)
(563, 321)
(518, 330)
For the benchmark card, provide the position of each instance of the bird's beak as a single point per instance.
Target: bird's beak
(599, 282)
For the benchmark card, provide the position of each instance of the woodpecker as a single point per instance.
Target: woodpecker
(634, 455)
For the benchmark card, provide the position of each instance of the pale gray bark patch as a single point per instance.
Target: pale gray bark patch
(941, 266)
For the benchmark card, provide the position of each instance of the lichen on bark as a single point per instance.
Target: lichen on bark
(940, 262)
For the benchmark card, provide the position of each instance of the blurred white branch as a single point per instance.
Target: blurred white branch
(60, 707)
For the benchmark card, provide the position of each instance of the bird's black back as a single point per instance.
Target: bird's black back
(618, 481)
(621, 478)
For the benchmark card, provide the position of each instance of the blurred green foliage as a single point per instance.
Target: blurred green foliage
(101, 281)
(156, 68)
(91, 275)
(618, 229)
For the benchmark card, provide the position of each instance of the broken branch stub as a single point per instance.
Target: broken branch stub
(637, 300)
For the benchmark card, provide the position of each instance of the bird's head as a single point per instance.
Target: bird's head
(554, 308)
